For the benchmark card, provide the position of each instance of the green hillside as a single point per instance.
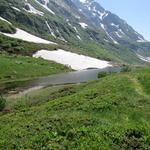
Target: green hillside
(15, 67)
(111, 113)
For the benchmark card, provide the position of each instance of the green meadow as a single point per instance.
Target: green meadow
(111, 113)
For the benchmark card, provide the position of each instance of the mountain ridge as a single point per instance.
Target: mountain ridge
(76, 23)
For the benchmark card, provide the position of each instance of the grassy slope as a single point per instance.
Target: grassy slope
(23, 67)
(15, 46)
(112, 113)
(7, 28)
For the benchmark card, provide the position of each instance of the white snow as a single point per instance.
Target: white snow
(62, 39)
(83, 25)
(112, 24)
(103, 27)
(51, 31)
(78, 37)
(23, 35)
(78, 17)
(75, 61)
(114, 41)
(141, 40)
(45, 6)
(5, 20)
(106, 40)
(118, 34)
(67, 20)
(94, 14)
(69, 24)
(105, 15)
(89, 8)
(82, 1)
(17, 9)
(94, 9)
(146, 59)
(33, 10)
(120, 30)
(60, 36)
(76, 29)
(102, 15)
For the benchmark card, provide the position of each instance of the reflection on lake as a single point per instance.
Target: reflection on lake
(63, 78)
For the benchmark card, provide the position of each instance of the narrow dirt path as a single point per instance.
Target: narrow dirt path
(137, 85)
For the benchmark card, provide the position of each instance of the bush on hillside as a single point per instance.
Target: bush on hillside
(126, 68)
(102, 74)
(6, 27)
(2, 102)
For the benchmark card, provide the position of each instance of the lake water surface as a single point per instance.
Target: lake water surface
(62, 78)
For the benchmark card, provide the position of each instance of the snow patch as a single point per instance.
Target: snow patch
(5, 20)
(82, 1)
(114, 41)
(94, 14)
(120, 30)
(60, 36)
(78, 37)
(51, 31)
(103, 27)
(62, 39)
(117, 33)
(83, 25)
(106, 40)
(15, 8)
(76, 29)
(23, 35)
(102, 15)
(146, 59)
(75, 61)
(141, 40)
(112, 24)
(45, 6)
(78, 17)
(33, 10)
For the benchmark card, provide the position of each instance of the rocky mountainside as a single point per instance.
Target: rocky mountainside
(81, 25)
(116, 29)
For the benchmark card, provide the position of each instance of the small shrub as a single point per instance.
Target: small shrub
(71, 135)
(126, 68)
(134, 139)
(2, 103)
(102, 74)
(92, 95)
(7, 28)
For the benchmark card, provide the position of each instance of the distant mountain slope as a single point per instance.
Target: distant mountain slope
(115, 28)
(82, 25)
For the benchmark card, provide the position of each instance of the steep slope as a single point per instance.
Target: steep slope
(116, 28)
(83, 27)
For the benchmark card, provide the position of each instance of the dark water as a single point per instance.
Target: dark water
(63, 78)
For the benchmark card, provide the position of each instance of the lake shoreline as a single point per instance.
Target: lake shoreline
(73, 77)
